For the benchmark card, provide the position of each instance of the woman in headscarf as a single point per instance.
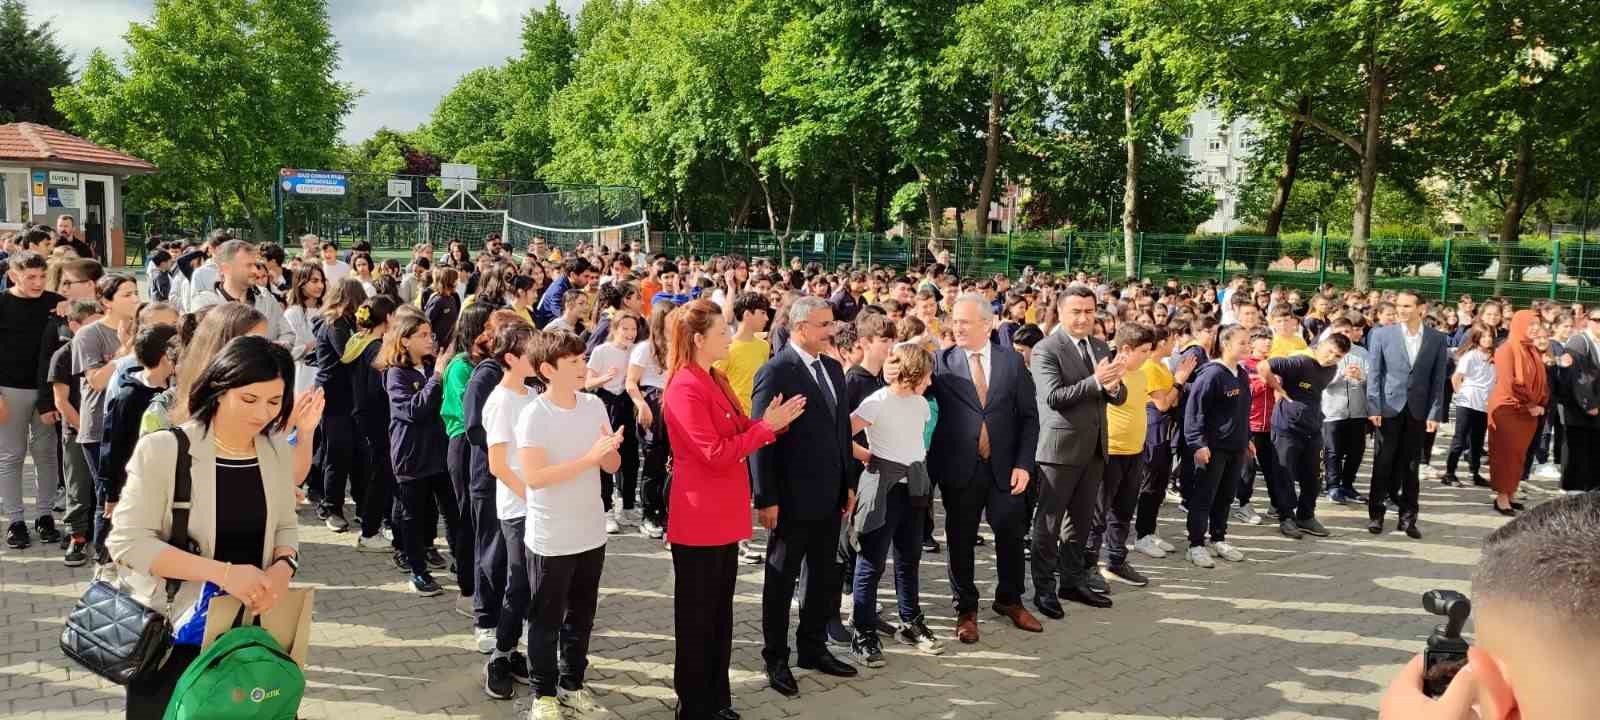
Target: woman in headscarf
(1515, 404)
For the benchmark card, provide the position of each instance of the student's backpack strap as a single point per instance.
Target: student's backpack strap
(182, 493)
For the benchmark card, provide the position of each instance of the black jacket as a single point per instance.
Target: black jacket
(1579, 388)
(806, 471)
(485, 376)
(1216, 414)
(1010, 412)
(333, 376)
(124, 415)
(417, 441)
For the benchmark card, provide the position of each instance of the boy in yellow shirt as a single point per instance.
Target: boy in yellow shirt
(748, 352)
(1124, 469)
(1286, 337)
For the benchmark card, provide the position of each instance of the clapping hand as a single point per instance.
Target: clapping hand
(1353, 372)
(443, 361)
(1185, 368)
(308, 413)
(780, 412)
(1109, 373)
(607, 443)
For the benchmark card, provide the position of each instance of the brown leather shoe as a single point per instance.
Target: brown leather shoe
(967, 627)
(1019, 616)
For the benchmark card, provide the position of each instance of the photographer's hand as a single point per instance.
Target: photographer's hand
(1404, 700)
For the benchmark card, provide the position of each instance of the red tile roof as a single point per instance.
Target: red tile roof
(34, 142)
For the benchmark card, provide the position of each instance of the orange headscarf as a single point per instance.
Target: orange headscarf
(1520, 377)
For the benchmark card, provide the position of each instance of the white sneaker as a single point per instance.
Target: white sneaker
(579, 701)
(1164, 545)
(620, 515)
(1148, 546)
(1227, 552)
(1200, 558)
(1246, 514)
(651, 530)
(374, 544)
(1548, 471)
(484, 638)
(612, 527)
(545, 708)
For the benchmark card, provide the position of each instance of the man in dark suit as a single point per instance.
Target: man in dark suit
(1579, 393)
(981, 458)
(1075, 378)
(1406, 391)
(803, 492)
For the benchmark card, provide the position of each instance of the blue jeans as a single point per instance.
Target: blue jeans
(102, 524)
(902, 530)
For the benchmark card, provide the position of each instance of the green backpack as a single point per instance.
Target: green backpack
(244, 675)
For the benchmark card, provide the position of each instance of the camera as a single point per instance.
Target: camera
(1447, 650)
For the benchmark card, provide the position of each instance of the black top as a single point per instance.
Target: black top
(241, 512)
(859, 382)
(22, 324)
(1303, 380)
(60, 371)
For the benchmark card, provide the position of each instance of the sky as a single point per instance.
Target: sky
(403, 55)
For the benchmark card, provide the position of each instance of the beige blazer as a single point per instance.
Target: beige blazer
(142, 520)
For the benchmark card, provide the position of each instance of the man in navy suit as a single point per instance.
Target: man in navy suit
(1406, 390)
(803, 492)
(981, 458)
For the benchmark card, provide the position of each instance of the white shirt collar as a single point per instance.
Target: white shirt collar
(805, 357)
(981, 352)
(1407, 330)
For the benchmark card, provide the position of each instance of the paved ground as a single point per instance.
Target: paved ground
(1309, 628)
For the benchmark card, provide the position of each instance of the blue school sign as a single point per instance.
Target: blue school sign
(311, 182)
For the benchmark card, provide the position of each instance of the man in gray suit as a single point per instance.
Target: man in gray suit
(1074, 378)
(1406, 390)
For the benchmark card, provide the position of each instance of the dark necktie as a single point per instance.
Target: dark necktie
(1083, 347)
(827, 390)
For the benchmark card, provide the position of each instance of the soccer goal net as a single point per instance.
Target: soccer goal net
(395, 228)
(608, 216)
(461, 217)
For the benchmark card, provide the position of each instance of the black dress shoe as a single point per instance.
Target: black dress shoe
(1080, 593)
(827, 664)
(930, 545)
(1506, 511)
(1375, 527)
(725, 714)
(1048, 606)
(1412, 531)
(781, 679)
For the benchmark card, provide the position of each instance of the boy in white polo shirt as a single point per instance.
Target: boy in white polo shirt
(564, 441)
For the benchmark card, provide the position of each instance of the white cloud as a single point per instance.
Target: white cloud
(403, 56)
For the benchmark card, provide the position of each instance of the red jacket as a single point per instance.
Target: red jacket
(1261, 400)
(711, 439)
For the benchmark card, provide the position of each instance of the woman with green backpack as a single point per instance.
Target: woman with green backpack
(238, 459)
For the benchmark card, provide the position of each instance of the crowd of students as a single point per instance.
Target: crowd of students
(538, 404)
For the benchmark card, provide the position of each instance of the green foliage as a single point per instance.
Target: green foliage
(32, 64)
(1469, 258)
(219, 94)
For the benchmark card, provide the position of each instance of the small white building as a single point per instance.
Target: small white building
(1220, 150)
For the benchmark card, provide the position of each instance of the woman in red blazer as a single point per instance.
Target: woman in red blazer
(710, 500)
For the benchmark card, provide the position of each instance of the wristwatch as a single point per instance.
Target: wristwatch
(292, 560)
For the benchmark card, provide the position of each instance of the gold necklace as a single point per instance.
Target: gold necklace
(234, 451)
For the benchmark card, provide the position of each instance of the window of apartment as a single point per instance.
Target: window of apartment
(13, 198)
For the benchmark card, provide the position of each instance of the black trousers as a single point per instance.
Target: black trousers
(1153, 489)
(1395, 467)
(514, 610)
(489, 562)
(565, 595)
(459, 460)
(1120, 488)
(380, 493)
(1295, 474)
(1471, 425)
(1344, 444)
(793, 543)
(619, 411)
(149, 695)
(422, 501)
(1580, 463)
(343, 461)
(654, 450)
(1211, 499)
(1068, 495)
(702, 619)
(1008, 518)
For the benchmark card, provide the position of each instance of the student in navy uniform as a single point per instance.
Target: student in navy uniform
(1216, 426)
(417, 442)
(1297, 430)
(341, 462)
(370, 417)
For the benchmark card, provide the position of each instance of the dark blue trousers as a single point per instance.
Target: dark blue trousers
(901, 530)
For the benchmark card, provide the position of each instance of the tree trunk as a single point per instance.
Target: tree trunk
(1516, 207)
(991, 158)
(1130, 187)
(932, 199)
(880, 199)
(258, 230)
(1361, 223)
(1286, 176)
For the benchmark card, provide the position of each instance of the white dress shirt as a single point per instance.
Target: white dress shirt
(808, 359)
(1413, 342)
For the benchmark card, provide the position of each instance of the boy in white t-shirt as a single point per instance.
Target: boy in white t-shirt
(564, 441)
(894, 418)
(501, 411)
(608, 375)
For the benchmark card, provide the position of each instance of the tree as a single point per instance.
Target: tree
(32, 64)
(219, 94)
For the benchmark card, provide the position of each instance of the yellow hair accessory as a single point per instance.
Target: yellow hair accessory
(362, 314)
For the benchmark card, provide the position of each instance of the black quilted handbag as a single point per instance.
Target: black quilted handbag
(111, 634)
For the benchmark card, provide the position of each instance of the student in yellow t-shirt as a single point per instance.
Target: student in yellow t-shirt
(748, 352)
(1286, 337)
(1124, 469)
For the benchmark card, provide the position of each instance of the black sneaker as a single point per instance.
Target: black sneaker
(435, 560)
(866, 650)
(519, 668)
(401, 563)
(838, 634)
(425, 586)
(1310, 526)
(917, 633)
(46, 527)
(77, 552)
(497, 682)
(1095, 581)
(17, 536)
(930, 545)
(978, 541)
(1125, 573)
(322, 513)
